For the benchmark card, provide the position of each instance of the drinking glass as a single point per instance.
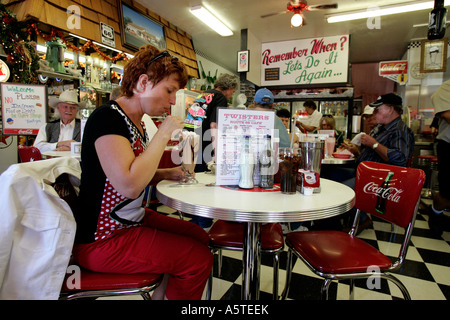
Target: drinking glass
(188, 151)
(288, 166)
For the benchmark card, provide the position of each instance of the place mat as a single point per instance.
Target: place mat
(276, 187)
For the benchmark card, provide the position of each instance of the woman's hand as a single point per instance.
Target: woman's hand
(175, 173)
(170, 126)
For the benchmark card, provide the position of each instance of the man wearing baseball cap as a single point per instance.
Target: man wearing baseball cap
(391, 141)
(65, 129)
(264, 101)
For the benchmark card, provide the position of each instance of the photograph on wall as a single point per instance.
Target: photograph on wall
(433, 55)
(243, 60)
(139, 30)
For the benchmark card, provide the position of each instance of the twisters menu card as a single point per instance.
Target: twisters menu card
(233, 125)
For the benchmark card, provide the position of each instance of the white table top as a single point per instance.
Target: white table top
(222, 203)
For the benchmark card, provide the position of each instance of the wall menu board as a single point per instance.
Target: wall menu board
(315, 61)
(24, 108)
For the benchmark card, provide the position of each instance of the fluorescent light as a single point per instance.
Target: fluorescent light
(381, 11)
(211, 21)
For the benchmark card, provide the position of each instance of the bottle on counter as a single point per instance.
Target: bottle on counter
(266, 164)
(246, 165)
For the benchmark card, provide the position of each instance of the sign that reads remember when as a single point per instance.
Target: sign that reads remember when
(322, 60)
(24, 108)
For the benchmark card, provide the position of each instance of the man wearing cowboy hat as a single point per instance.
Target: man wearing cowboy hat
(60, 133)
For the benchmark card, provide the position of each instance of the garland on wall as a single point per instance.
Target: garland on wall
(21, 54)
(57, 34)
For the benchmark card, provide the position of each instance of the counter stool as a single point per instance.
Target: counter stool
(230, 236)
(434, 183)
(424, 163)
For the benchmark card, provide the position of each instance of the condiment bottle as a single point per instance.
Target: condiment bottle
(266, 162)
(246, 165)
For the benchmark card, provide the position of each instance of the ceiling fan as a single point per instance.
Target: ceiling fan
(297, 7)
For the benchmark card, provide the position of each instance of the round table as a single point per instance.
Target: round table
(220, 202)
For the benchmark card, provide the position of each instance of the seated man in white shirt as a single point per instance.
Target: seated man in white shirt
(60, 133)
(313, 121)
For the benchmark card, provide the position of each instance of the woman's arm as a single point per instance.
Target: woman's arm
(126, 172)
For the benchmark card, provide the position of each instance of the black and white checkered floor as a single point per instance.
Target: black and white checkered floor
(426, 272)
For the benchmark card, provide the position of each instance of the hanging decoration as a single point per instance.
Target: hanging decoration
(54, 34)
(21, 54)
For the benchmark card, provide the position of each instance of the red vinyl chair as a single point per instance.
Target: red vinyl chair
(335, 255)
(27, 154)
(230, 236)
(96, 284)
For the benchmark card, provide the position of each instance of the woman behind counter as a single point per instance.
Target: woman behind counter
(328, 123)
(114, 232)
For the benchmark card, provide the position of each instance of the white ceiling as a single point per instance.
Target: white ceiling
(366, 45)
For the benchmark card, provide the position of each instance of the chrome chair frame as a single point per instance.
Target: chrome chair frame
(329, 277)
(393, 266)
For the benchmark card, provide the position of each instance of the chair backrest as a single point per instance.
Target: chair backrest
(28, 154)
(388, 192)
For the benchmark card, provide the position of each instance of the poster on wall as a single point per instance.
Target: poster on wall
(232, 125)
(24, 108)
(315, 61)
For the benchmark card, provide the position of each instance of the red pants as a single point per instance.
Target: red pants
(162, 245)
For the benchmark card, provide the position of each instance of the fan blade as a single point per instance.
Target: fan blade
(323, 6)
(274, 14)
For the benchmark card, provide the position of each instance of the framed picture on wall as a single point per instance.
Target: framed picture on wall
(434, 55)
(139, 29)
(243, 61)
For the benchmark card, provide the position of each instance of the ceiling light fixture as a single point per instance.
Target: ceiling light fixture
(297, 20)
(211, 21)
(381, 11)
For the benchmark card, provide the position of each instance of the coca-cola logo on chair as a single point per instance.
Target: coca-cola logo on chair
(390, 193)
(384, 192)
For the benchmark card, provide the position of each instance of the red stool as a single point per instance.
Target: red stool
(96, 285)
(230, 236)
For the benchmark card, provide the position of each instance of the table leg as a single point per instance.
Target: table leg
(251, 261)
